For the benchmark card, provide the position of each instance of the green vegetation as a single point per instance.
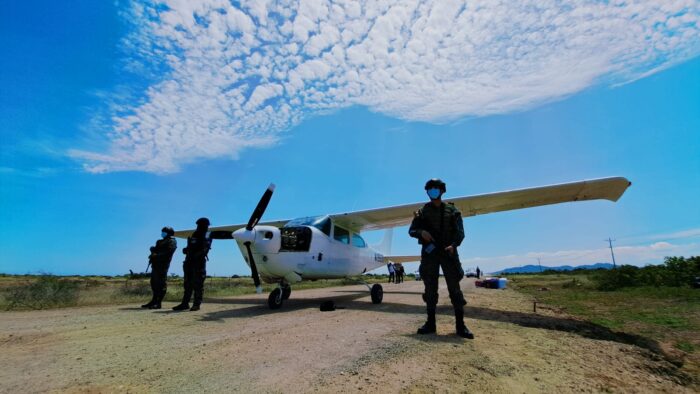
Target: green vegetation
(625, 302)
(26, 292)
(674, 272)
(46, 291)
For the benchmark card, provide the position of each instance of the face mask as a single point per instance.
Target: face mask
(434, 193)
(163, 234)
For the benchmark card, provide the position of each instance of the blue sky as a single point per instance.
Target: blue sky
(117, 119)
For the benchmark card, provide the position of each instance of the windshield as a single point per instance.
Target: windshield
(322, 223)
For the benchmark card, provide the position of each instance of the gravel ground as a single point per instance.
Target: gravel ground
(238, 345)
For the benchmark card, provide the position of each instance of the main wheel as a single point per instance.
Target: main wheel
(377, 294)
(274, 301)
(286, 292)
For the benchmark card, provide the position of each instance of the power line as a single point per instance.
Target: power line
(610, 241)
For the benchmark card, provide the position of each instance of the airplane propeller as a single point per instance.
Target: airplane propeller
(254, 219)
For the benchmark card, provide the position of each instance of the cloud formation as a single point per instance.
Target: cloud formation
(234, 76)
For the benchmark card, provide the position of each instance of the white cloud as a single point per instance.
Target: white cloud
(240, 75)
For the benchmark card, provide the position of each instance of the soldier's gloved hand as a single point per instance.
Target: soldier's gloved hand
(426, 236)
(450, 250)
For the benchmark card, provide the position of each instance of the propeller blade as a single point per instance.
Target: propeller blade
(253, 268)
(260, 209)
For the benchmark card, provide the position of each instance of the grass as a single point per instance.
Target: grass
(26, 292)
(668, 315)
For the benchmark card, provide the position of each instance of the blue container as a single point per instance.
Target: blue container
(502, 283)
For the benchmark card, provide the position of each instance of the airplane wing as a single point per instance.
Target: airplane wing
(401, 259)
(402, 215)
(224, 232)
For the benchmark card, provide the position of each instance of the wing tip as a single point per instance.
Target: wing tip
(620, 185)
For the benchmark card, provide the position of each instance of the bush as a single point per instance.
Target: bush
(46, 291)
(675, 272)
(136, 288)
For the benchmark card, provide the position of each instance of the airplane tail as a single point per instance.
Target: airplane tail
(384, 246)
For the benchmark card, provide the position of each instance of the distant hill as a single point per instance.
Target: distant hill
(536, 268)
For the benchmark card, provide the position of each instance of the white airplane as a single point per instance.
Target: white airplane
(330, 246)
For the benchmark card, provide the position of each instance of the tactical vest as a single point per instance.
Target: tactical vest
(439, 222)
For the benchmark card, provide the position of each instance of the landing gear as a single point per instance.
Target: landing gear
(274, 301)
(377, 293)
(286, 292)
(281, 293)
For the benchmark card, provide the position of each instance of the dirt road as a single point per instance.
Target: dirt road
(237, 344)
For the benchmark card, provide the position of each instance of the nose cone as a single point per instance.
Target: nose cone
(244, 235)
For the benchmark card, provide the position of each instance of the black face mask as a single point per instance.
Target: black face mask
(201, 229)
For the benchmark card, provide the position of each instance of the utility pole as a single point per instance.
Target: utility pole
(610, 241)
(540, 264)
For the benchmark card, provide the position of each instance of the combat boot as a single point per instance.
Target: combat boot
(461, 328)
(149, 304)
(429, 326)
(157, 302)
(195, 307)
(181, 307)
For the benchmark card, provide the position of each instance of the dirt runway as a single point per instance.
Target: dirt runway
(238, 345)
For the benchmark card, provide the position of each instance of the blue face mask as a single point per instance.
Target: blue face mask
(163, 234)
(434, 193)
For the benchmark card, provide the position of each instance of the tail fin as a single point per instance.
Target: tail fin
(384, 247)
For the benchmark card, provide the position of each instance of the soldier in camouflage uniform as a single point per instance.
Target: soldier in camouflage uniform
(160, 257)
(195, 266)
(439, 229)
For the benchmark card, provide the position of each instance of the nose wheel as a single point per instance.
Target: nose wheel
(274, 301)
(286, 292)
(278, 295)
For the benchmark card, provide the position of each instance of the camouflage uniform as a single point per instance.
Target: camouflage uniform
(160, 258)
(195, 267)
(444, 223)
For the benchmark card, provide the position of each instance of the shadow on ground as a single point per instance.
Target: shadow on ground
(359, 300)
(588, 330)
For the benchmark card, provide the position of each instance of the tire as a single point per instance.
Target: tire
(377, 294)
(274, 301)
(286, 292)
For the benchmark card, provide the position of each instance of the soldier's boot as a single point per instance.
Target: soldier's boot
(195, 307)
(429, 326)
(149, 303)
(185, 304)
(156, 303)
(159, 301)
(461, 328)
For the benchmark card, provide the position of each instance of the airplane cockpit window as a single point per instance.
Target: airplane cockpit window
(322, 223)
(341, 234)
(358, 241)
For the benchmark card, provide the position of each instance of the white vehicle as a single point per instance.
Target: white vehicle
(330, 246)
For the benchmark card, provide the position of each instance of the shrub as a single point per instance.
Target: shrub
(135, 288)
(46, 291)
(675, 272)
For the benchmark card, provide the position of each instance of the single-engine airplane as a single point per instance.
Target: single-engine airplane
(330, 246)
